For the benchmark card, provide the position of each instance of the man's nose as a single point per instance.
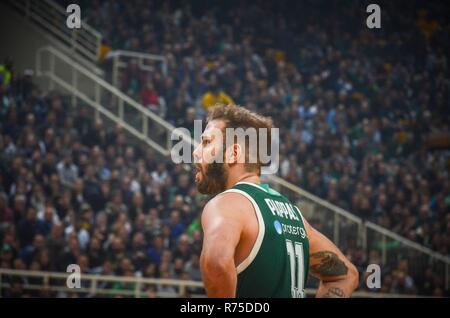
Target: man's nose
(197, 154)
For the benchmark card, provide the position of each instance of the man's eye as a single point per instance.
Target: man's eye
(205, 142)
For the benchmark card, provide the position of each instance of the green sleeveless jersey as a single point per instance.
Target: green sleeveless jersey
(278, 262)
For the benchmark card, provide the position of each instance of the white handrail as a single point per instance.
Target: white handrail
(51, 17)
(314, 198)
(139, 281)
(109, 88)
(407, 242)
(105, 278)
(119, 55)
(134, 54)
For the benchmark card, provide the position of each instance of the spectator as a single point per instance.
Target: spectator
(149, 97)
(155, 251)
(6, 214)
(215, 95)
(67, 171)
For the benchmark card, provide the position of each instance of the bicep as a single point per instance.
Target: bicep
(221, 235)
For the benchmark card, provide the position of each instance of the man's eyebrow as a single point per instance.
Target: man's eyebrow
(205, 137)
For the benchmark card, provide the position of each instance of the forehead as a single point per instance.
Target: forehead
(213, 125)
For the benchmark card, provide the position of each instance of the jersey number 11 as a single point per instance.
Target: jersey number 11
(295, 252)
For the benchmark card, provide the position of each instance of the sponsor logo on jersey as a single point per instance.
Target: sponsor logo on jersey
(277, 226)
(294, 230)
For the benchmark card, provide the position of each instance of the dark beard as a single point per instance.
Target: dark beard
(214, 179)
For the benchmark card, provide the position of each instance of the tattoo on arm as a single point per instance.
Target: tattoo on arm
(334, 292)
(330, 264)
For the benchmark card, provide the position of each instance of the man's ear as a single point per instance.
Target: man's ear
(234, 154)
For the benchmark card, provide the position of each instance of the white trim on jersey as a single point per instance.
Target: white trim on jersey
(301, 215)
(253, 184)
(255, 249)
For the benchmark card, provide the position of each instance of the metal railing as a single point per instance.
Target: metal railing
(345, 228)
(340, 225)
(98, 285)
(106, 99)
(113, 286)
(145, 62)
(51, 18)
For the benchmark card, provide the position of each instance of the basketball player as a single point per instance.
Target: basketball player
(256, 242)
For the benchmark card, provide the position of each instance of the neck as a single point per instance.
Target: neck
(245, 177)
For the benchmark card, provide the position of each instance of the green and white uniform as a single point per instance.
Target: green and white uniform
(278, 262)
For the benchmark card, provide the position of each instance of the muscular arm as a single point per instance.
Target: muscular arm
(222, 229)
(338, 277)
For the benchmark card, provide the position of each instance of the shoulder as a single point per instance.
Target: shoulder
(229, 205)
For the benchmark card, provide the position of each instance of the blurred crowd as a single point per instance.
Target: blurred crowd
(74, 192)
(363, 117)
